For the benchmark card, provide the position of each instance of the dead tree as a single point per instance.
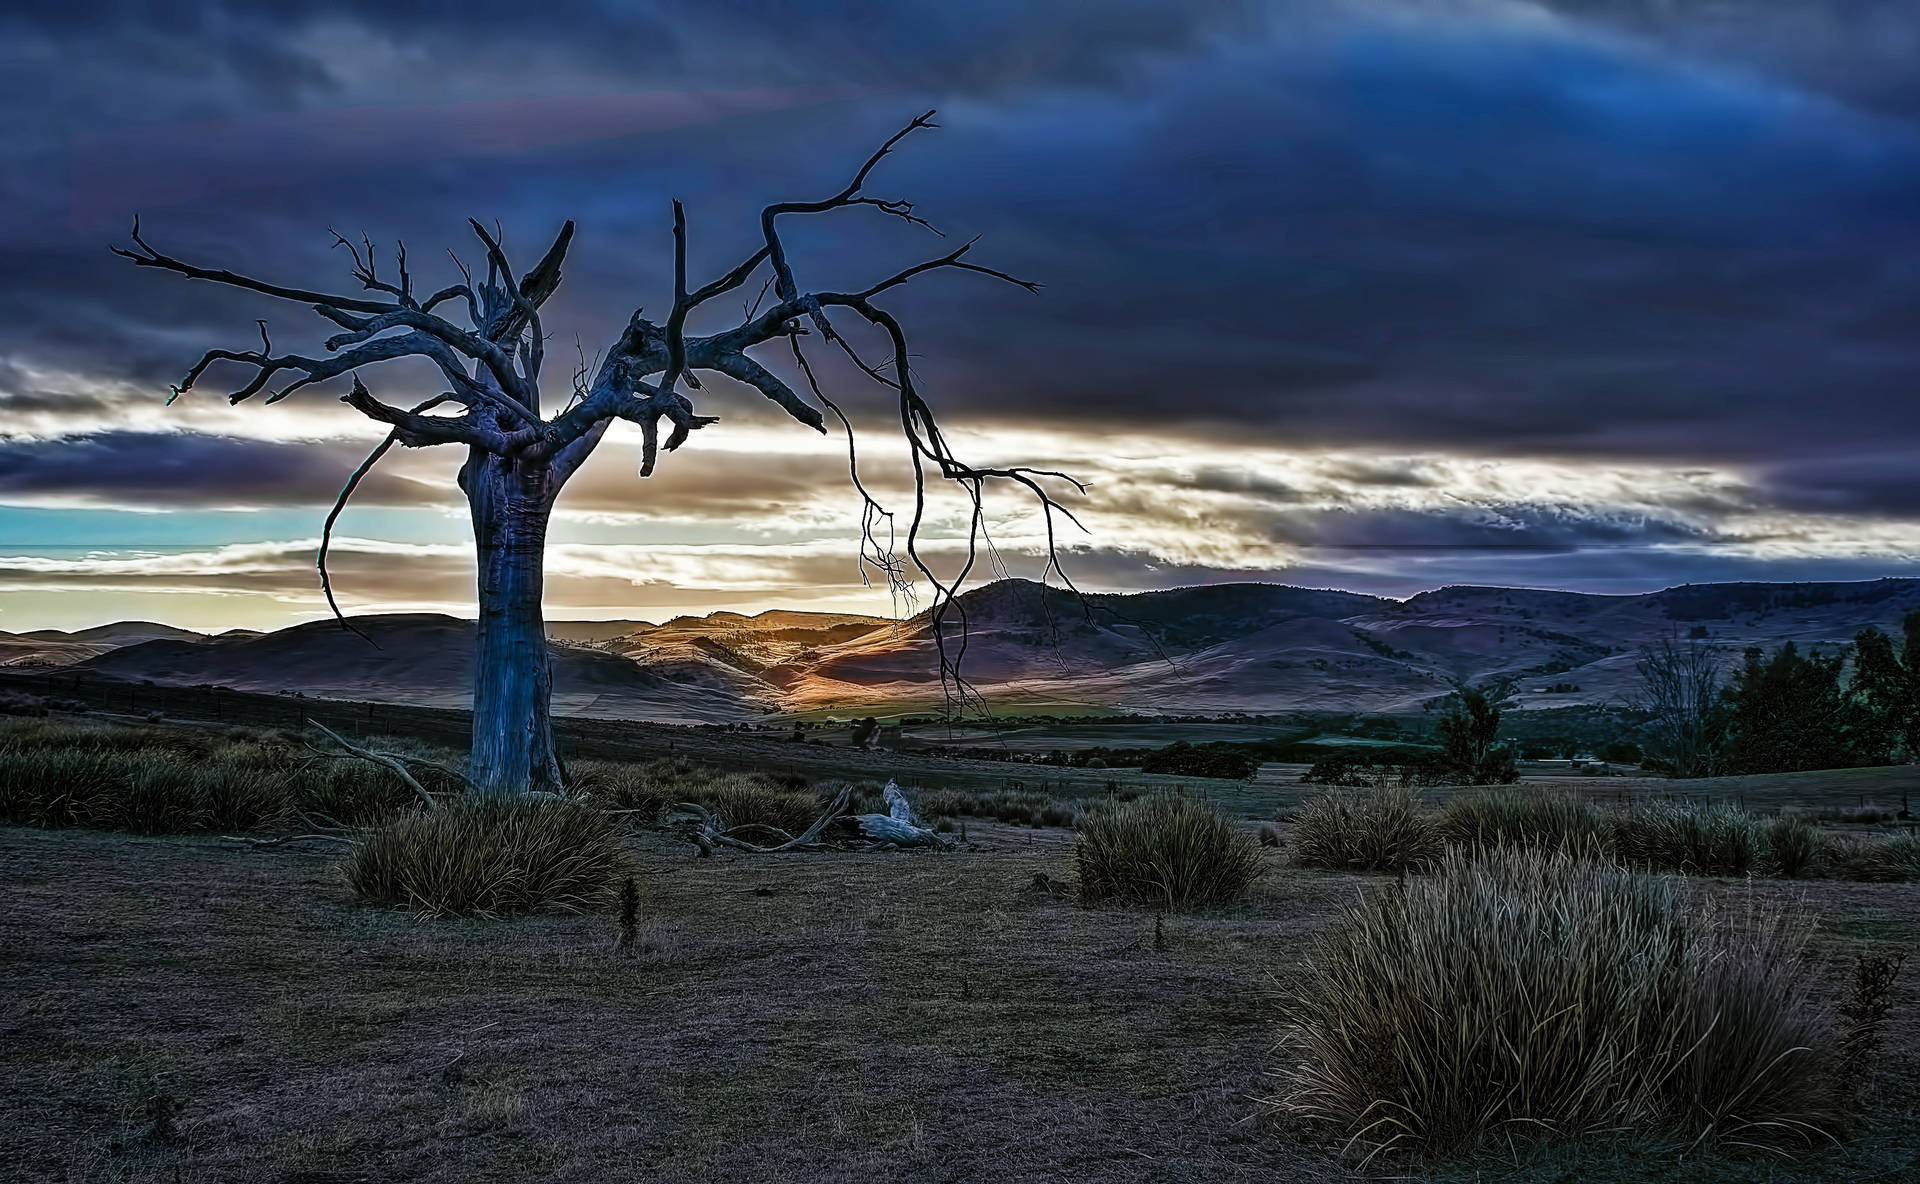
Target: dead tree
(1680, 692)
(521, 450)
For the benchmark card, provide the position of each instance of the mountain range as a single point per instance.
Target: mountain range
(1212, 649)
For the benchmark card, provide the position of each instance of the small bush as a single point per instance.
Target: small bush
(1794, 846)
(13, 703)
(1686, 838)
(1520, 993)
(1508, 817)
(1182, 759)
(1344, 769)
(1378, 830)
(1171, 852)
(493, 857)
(1863, 1017)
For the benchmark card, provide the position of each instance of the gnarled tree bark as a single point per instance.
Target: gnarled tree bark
(519, 458)
(511, 503)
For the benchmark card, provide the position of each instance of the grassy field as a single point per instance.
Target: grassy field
(192, 1009)
(196, 1008)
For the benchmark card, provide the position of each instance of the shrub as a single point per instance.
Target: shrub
(170, 780)
(1343, 768)
(1182, 759)
(1379, 830)
(159, 798)
(1172, 852)
(1691, 839)
(492, 856)
(1504, 817)
(1864, 1015)
(1518, 993)
(1794, 846)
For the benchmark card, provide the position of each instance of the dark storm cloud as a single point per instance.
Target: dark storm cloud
(1674, 231)
(1857, 51)
(1873, 484)
(174, 470)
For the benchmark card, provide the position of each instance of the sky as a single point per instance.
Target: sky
(1386, 295)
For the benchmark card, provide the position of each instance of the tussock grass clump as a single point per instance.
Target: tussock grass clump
(1693, 840)
(175, 780)
(1883, 859)
(492, 857)
(1166, 851)
(650, 789)
(1521, 993)
(1376, 830)
(54, 787)
(160, 797)
(950, 803)
(1504, 816)
(1795, 847)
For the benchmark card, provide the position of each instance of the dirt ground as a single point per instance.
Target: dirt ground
(191, 1009)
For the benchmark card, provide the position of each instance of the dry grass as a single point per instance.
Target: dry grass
(1691, 839)
(1385, 830)
(651, 788)
(174, 780)
(874, 1017)
(1379, 830)
(1512, 816)
(492, 857)
(1164, 851)
(1517, 994)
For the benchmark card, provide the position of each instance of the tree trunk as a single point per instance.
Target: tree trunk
(513, 748)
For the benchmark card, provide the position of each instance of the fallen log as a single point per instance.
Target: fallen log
(881, 832)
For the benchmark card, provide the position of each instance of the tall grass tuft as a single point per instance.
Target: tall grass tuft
(1505, 816)
(1164, 851)
(492, 856)
(1794, 846)
(1374, 830)
(160, 798)
(652, 788)
(157, 780)
(1519, 993)
(1690, 839)
(1890, 858)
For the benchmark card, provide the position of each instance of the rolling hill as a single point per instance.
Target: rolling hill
(1218, 648)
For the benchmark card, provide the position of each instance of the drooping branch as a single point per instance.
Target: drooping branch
(346, 494)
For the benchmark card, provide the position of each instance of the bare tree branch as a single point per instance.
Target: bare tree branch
(493, 369)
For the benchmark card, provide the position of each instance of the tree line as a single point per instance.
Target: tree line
(1782, 711)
